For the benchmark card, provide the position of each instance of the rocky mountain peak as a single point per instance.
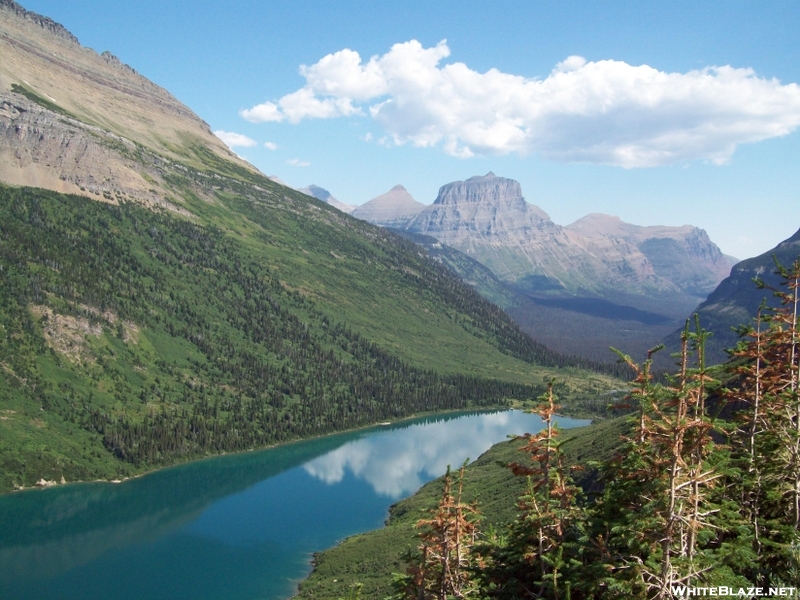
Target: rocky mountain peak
(597, 220)
(44, 22)
(321, 193)
(488, 188)
(317, 192)
(398, 188)
(489, 175)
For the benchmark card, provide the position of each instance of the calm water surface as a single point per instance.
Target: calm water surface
(232, 527)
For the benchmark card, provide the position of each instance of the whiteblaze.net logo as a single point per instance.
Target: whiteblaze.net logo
(722, 591)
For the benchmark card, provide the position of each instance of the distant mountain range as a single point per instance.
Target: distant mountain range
(609, 282)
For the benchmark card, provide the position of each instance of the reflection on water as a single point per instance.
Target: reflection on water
(397, 463)
(241, 526)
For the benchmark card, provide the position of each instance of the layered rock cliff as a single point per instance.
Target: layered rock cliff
(736, 300)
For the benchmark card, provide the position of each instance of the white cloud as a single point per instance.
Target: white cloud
(296, 162)
(235, 139)
(606, 112)
(270, 145)
(571, 63)
(262, 113)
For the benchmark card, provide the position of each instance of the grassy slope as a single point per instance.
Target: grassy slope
(371, 558)
(251, 314)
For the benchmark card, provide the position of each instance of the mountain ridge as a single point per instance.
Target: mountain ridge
(578, 288)
(84, 123)
(736, 300)
(488, 218)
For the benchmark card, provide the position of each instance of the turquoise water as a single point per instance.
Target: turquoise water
(233, 527)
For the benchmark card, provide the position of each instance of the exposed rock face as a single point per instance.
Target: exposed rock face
(47, 23)
(394, 209)
(736, 299)
(322, 194)
(76, 121)
(598, 256)
(42, 149)
(683, 255)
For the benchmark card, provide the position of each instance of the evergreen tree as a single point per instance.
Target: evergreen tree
(539, 556)
(443, 568)
(664, 519)
(768, 435)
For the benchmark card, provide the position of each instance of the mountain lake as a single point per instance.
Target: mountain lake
(241, 526)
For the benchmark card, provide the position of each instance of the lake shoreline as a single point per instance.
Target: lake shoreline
(45, 484)
(337, 568)
(248, 524)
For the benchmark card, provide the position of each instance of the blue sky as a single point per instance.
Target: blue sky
(653, 119)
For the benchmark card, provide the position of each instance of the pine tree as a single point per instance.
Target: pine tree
(768, 437)
(443, 568)
(664, 519)
(539, 556)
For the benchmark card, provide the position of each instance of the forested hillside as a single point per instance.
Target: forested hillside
(141, 335)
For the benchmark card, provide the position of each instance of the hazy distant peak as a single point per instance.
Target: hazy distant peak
(317, 192)
(489, 175)
(599, 223)
(596, 224)
(599, 218)
(391, 209)
(325, 196)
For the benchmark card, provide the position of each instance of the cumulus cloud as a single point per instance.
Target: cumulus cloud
(606, 112)
(235, 139)
(296, 162)
(270, 145)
